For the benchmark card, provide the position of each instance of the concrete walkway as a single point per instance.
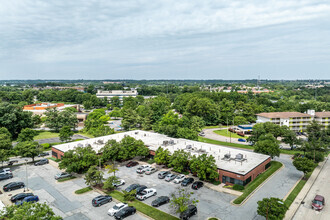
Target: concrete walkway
(209, 133)
(300, 211)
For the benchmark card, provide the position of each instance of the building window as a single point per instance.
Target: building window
(267, 165)
(54, 154)
(247, 181)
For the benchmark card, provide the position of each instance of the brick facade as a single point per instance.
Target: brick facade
(57, 153)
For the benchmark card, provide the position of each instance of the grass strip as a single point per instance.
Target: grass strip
(46, 135)
(66, 179)
(83, 190)
(226, 133)
(210, 141)
(275, 165)
(144, 208)
(289, 200)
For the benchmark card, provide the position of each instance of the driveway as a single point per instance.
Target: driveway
(320, 187)
(61, 196)
(211, 135)
(57, 140)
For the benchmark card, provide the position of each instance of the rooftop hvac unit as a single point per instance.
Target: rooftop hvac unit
(188, 147)
(136, 132)
(227, 156)
(239, 157)
(100, 141)
(80, 145)
(171, 142)
(165, 142)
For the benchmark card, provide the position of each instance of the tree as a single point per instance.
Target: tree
(109, 183)
(79, 160)
(179, 160)
(56, 119)
(303, 164)
(28, 149)
(289, 137)
(129, 196)
(162, 156)
(268, 145)
(36, 120)
(93, 176)
(204, 166)
(181, 199)
(272, 208)
(187, 133)
(26, 134)
(66, 133)
(28, 211)
(115, 102)
(130, 119)
(240, 120)
(116, 113)
(110, 151)
(5, 144)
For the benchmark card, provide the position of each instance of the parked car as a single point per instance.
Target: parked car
(6, 176)
(5, 171)
(116, 208)
(146, 194)
(190, 211)
(241, 140)
(160, 201)
(41, 162)
(318, 203)
(187, 181)
(142, 168)
(132, 187)
(163, 174)
(43, 154)
(196, 185)
(28, 199)
(150, 170)
(202, 134)
(20, 196)
(125, 212)
(100, 200)
(62, 175)
(11, 162)
(132, 164)
(170, 177)
(119, 183)
(140, 188)
(12, 186)
(179, 178)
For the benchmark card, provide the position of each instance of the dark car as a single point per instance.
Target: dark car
(41, 162)
(163, 174)
(12, 186)
(6, 176)
(190, 211)
(140, 189)
(100, 200)
(318, 203)
(196, 185)
(132, 164)
(160, 201)
(11, 162)
(28, 199)
(20, 196)
(43, 154)
(132, 187)
(125, 212)
(187, 181)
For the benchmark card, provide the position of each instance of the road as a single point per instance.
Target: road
(57, 140)
(211, 135)
(320, 187)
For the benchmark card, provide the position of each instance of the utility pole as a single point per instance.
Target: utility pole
(26, 176)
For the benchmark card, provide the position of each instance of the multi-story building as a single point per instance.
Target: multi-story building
(323, 118)
(116, 93)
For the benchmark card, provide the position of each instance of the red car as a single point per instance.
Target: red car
(132, 164)
(318, 203)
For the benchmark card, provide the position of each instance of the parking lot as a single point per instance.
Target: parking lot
(60, 196)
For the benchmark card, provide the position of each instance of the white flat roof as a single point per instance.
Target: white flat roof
(154, 140)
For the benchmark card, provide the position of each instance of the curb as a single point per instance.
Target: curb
(254, 191)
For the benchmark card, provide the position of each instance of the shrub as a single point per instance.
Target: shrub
(46, 146)
(83, 190)
(238, 187)
(151, 161)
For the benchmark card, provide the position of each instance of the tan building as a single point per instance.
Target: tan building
(323, 118)
(116, 93)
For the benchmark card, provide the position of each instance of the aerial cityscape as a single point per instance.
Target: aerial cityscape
(202, 110)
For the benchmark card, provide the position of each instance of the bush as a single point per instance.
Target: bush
(238, 187)
(66, 179)
(46, 146)
(215, 182)
(151, 161)
(83, 190)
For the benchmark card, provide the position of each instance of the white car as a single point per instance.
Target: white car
(143, 168)
(146, 194)
(5, 171)
(119, 183)
(179, 178)
(116, 208)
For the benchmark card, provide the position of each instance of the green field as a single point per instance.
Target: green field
(226, 133)
(46, 134)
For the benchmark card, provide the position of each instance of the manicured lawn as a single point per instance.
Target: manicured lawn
(66, 179)
(210, 141)
(45, 135)
(85, 134)
(144, 208)
(275, 165)
(226, 133)
(83, 190)
(213, 126)
(289, 200)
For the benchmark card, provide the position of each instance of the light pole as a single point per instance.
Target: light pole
(26, 176)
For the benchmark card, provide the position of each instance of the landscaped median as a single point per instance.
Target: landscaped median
(83, 190)
(275, 165)
(144, 208)
(66, 179)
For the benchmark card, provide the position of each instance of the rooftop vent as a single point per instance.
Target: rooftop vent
(165, 143)
(136, 132)
(80, 145)
(188, 147)
(100, 141)
(171, 142)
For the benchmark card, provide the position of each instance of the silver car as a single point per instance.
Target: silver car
(170, 177)
(62, 175)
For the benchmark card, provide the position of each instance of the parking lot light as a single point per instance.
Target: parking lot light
(26, 176)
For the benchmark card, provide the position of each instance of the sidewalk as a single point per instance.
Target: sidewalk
(302, 194)
(220, 188)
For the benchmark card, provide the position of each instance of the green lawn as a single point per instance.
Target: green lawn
(210, 141)
(213, 126)
(275, 165)
(45, 135)
(289, 200)
(144, 208)
(226, 133)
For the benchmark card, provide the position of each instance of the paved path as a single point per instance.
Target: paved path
(211, 135)
(311, 188)
(57, 140)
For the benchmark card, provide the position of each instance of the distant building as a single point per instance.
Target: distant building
(116, 93)
(323, 118)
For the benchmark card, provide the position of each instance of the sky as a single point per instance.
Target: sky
(165, 39)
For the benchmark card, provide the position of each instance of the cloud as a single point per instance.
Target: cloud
(181, 38)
